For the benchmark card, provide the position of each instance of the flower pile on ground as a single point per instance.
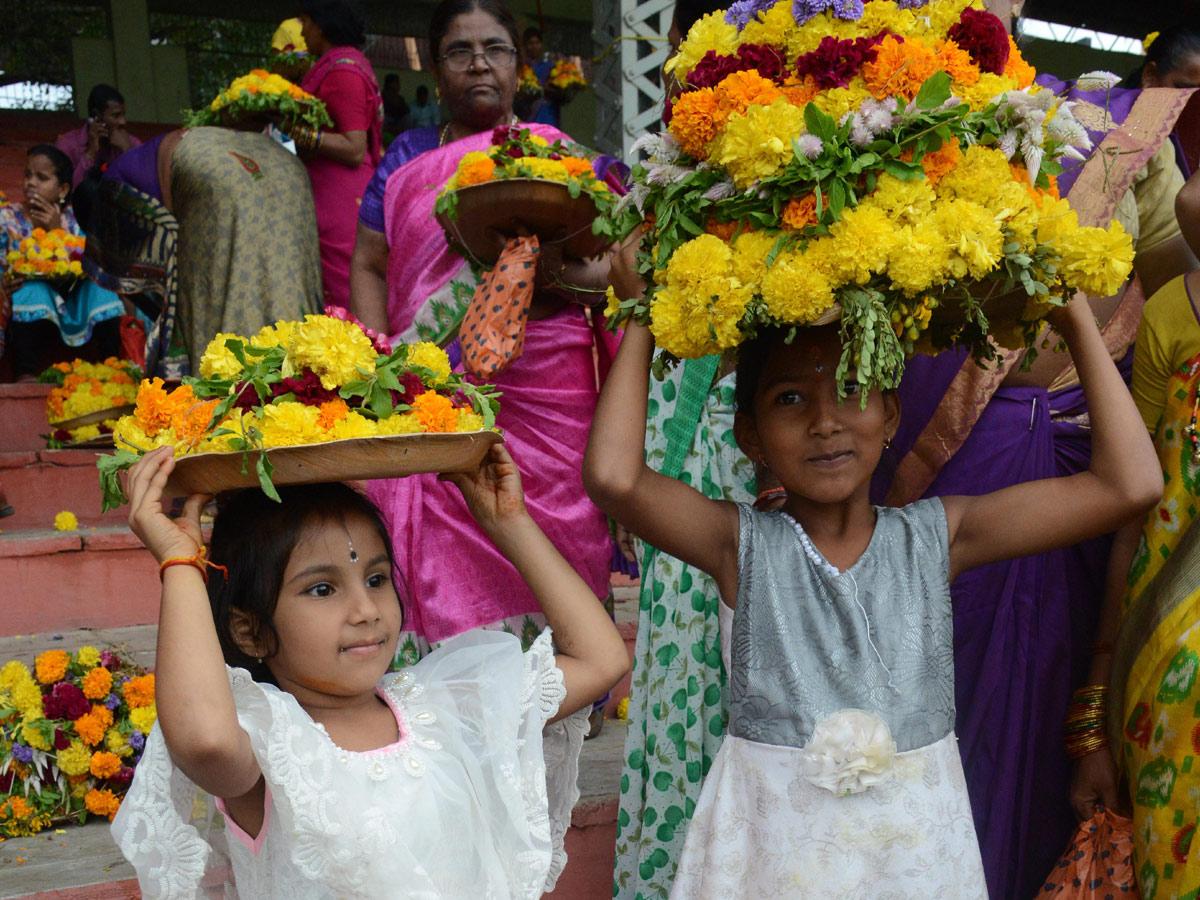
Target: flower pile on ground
(53, 255)
(297, 383)
(260, 92)
(566, 76)
(889, 161)
(527, 82)
(71, 733)
(518, 153)
(82, 388)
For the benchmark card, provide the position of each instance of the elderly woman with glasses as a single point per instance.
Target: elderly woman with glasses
(407, 283)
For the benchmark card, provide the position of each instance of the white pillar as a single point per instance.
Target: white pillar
(628, 82)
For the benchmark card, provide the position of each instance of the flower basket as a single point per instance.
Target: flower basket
(53, 256)
(87, 400)
(889, 163)
(258, 98)
(320, 400)
(525, 182)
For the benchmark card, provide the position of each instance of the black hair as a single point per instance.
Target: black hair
(253, 537)
(102, 95)
(751, 360)
(689, 12)
(1168, 51)
(391, 78)
(449, 10)
(64, 171)
(531, 31)
(341, 21)
(422, 91)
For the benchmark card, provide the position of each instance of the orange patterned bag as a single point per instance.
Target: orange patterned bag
(492, 334)
(1098, 864)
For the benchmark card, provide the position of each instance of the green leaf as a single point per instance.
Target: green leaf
(934, 92)
(902, 170)
(819, 124)
(265, 470)
(837, 198)
(110, 469)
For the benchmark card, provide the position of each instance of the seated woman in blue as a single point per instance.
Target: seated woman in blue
(45, 312)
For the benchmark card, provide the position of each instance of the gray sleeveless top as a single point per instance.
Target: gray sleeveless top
(809, 641)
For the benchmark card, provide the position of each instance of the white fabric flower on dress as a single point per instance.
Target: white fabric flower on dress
(850, 751)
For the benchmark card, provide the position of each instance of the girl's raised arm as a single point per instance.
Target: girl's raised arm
(195, 703)
(1122, 482)
(591, 653)
(662, 511)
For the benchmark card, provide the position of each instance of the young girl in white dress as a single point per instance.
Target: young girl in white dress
(335, 778)
(840, 775)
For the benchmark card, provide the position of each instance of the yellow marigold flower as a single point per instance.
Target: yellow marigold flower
(469, 421)
(836, 102)
(399, 423)
(97, 683)
(710, 32)
(276, 335)
(1056, 219)
(333, 349)
(51, 666)
(795, 290)
(88, 656)
(218, 360)
(139, 691)
(66, 521)
(13, 673)
(699, 309)
(982, 172)
(919, 258)
(475, 168)
(1096, 260)
(860, 245)
(774, 26)
(104, 764)
(288, 424)
(988, 88)
(975, 239)
(102, 803)
(612, 304)
(945, 15)
(432, 357)
(548, 169)
(884, 16)
(33, 735)
(116, 743)
(758, 144)
(904, 202)
(356, 425)
(749, 261)
(623, 709)
(27, 698)
(143, 719)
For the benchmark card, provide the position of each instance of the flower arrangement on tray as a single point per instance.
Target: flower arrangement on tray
(527, 82)
(71, 733)
(53, 255)
(566, 78)
(82, 389)
(297, 384)
(259, 95)
(888, 164)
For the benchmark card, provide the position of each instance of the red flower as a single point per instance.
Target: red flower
(6, 781)
(835, 62)
(413, 388)
(505, 133)
(713, 68)
(65, 702)
(307, 388)
(61, 435)
(984, 36)
(247, 397)
(122, 777)
(61, 741)
(110, 660)
(764, 59)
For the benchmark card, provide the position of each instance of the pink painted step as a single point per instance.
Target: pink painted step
(41, 483)
(23, 416)
(92, 578)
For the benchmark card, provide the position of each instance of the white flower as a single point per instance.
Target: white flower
(1008, 143)
(850, 751)
(1097, 81)
(722, 190)
(809, 144)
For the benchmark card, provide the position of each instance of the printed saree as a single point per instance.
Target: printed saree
(1022, 627)
(1155, 724)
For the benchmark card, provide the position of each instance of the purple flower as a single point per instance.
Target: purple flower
(848, 9)
(137, 741)
(810, 145)
(21, 753)
(910, 4)
(743, 12)
(803, 10)
(112, 701)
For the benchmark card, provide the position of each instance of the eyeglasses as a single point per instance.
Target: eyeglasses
(497, 56)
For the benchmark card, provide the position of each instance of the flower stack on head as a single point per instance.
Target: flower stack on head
(258, 95)
(71, 732)
(566, 77)
(891, 164)
(82, 388)
(293, 384)
(49, 255)
(527, 82)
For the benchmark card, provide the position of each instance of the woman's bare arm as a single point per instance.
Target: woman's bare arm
(368, 278)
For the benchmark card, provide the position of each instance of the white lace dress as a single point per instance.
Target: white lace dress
(473, 801)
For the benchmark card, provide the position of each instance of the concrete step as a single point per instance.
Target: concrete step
(23, 414)
(41, 483)
(82, 863)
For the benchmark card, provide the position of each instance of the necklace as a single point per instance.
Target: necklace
(445, 134)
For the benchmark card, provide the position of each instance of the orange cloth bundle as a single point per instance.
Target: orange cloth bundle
(493, 330)
(1098, 863)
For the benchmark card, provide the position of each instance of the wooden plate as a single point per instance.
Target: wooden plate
(545, 208)
(356, 459)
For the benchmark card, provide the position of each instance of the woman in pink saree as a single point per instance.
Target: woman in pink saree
(340, 160)
(408, 284)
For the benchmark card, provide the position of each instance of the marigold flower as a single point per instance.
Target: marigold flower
(102, 803)
(66, 521)
(331, 412)
(900, 67)
(800, 212)
(435, 412)
(334, 349)
(139, 691)
(1017, 68)
(475, 168)
(695, 119)
(116, 743)
(143, 718)
(51, 666)
(432, 357)
(104, 764)
(97, 683)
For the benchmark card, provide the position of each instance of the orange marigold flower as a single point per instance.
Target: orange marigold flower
(956, 62)
(724, 230)
(1021, 176)
(38, 234)
(941, 161)
(800, 212)
(72, 381)
(105, 764)
(97, 683)
(55, 401)
(900, 68)
(741, 90)
(332, 412)
(63, 367)
(121, 378)
(102, 803)
(576, 166)
(695, 118)
(90, 728)
(190, 417)
(435, 412)
(802, 93)
(1016, 67)
(51, 666)
(154, 407)
(476, 172)
(139, 691)
(15, 808)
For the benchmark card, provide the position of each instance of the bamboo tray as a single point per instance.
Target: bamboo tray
(545, 208)
(355, 459)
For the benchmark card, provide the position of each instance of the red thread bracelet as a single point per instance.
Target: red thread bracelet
(200, 561)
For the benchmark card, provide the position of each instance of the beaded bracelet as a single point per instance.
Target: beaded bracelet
(200, 562)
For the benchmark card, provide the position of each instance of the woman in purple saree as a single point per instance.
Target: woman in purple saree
(1022, 628)
(408, 284)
